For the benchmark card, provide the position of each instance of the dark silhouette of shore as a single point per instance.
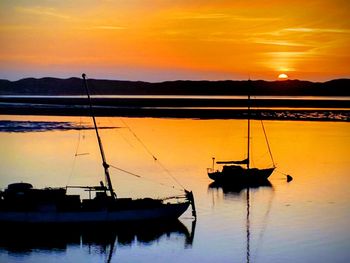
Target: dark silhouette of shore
(73, 86)
(179, 99)
(179, 112)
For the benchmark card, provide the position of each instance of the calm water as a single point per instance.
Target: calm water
(306, 220)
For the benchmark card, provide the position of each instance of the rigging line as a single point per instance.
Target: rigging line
(140, 141)
(144, 178)
(266, 138)
(112, 122)
(264, 224)
(169, 173)
(281, 172)
(79, 135)
(76, 151)
(125, 171)
(80, 154)
(267, 142)
(154, 157)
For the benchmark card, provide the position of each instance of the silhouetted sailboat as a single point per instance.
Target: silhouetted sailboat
(21, 203)
(234, 172)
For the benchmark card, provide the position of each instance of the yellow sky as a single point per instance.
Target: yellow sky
(175, 39)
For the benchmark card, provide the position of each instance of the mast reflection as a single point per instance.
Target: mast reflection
(238, 190)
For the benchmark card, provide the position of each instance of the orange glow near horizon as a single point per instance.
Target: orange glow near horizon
(163, 40)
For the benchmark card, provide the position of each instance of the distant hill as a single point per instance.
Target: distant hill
(73, 86)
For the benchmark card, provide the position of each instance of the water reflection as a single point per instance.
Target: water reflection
(244, 191)
(103, 239)
(43, 126)
(237, 188)
(306, 220)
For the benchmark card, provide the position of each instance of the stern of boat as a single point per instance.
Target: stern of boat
(190, 199)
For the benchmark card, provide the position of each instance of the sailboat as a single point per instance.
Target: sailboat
(240, 172)
(23, 204)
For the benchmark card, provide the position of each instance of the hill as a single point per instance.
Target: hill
(73, 86)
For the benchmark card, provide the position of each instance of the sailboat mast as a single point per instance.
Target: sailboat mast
(104, 163)
(248, 140)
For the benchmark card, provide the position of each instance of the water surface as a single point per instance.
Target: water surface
(306, 220)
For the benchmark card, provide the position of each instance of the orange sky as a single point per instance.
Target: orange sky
(175, 39)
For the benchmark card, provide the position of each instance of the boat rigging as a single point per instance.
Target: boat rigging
(22, 203)
(234, 172)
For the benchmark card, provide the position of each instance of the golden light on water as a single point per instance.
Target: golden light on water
(178, 145)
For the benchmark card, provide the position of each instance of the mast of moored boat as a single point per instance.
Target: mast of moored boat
(248, 150)
(104, 163)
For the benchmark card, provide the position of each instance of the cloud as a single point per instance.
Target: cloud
(200, 16)
(290, 54)
(41, 11)
(220, 16)
(279, 43)
(306, 30)
(255, 19)
(108, 27)
(316, 30)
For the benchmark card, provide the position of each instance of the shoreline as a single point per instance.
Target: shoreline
(181, 102)
(201, 108)
(339, 115)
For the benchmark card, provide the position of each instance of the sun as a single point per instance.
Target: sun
(282, 76)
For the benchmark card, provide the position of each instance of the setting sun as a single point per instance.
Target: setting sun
(282, 76)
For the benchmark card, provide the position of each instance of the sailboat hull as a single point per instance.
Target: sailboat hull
(163, 212)
(236, 174)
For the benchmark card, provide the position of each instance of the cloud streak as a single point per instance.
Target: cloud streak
(279, 43)
(108, 27)
(41, 11)
(316, 30)
(220, 16)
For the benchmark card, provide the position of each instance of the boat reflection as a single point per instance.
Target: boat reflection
(27, 239)
(237, 188)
